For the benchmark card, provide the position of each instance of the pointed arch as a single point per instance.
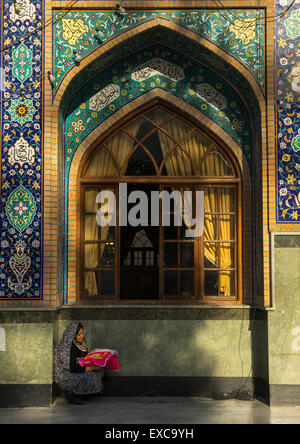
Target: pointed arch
(106, 129)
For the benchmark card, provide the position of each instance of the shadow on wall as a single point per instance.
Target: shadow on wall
(175, 357)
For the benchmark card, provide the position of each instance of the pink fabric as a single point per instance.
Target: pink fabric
(107, 359)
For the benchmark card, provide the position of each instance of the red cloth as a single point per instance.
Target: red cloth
(107, 359)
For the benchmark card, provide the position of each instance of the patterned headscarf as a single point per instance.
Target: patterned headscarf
(61, 362)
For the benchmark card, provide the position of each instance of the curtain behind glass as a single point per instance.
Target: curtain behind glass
(214, 165)
(102, 165)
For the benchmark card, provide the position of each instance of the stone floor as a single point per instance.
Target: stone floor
(153, 411)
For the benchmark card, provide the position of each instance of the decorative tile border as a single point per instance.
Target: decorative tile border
(21, 156)
(238, 32)
(288, 112)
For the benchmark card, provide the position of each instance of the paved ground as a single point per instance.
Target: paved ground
(153, 411)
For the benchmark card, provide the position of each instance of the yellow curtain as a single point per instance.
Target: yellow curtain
(101, 165)
(214, 165)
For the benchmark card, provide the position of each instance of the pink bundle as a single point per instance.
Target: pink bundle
(102, 358)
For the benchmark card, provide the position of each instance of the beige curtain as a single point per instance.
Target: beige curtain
(101, 165)
(216, 165)
(178, 164)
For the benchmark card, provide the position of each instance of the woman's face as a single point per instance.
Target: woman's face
(80, 336)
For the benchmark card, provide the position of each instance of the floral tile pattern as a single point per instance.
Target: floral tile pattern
(238, 32)
(288, 112)
(21, 175)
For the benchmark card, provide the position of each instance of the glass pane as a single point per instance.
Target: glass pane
(177, 128)
(227, 287)
(140, 164)
(183, 230)
(91, 229)
(91, 205)
(216, 164)
(211, 283)
(227, 255)
(211, 200)
(107, 283)
(91, 284)
(227, 200)
(120, 146)
(178, 164)
(211, 255)
(211, 227)
(196, 145)
(158, 116)
(107, 255)
(171, 283)
(101, 165)
(187, 283)
(152, 143)
(171, 255)
(133, 128)
(171, 233)
(227, 227)
(187, 255)
(166, 142)
(150, 258)
(108, 234)
(91, 255)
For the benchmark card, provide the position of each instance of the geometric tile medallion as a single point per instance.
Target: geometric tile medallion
(20, 208)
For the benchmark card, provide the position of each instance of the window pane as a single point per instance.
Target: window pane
(134, 128)
(107, 254)
(211, 200)
(211, 230)
(91, 285)
(227, 287)
(158, 116)
(216, 164)
(91, 228)
(227, 255)
(227, 200)
(177, 128)
(107, 283)
(171, 233)
(120, 146)
(211, 283)
(91, 255)
(211, 255)
(101, 165)
(152, 144)
(196, 145)
(227, 227)
(171, 283)
(183, 231)
(171, 255)
(91, 205)
(178, 164)
(187, 255)
(140, 164)
(187, 283)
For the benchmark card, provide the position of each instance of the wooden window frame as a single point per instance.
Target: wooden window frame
(234, 181)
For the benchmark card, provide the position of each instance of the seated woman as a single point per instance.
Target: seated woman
(72, 379)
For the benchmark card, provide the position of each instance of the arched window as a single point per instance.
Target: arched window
(158, 151)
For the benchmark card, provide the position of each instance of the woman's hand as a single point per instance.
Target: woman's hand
(92, 368)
